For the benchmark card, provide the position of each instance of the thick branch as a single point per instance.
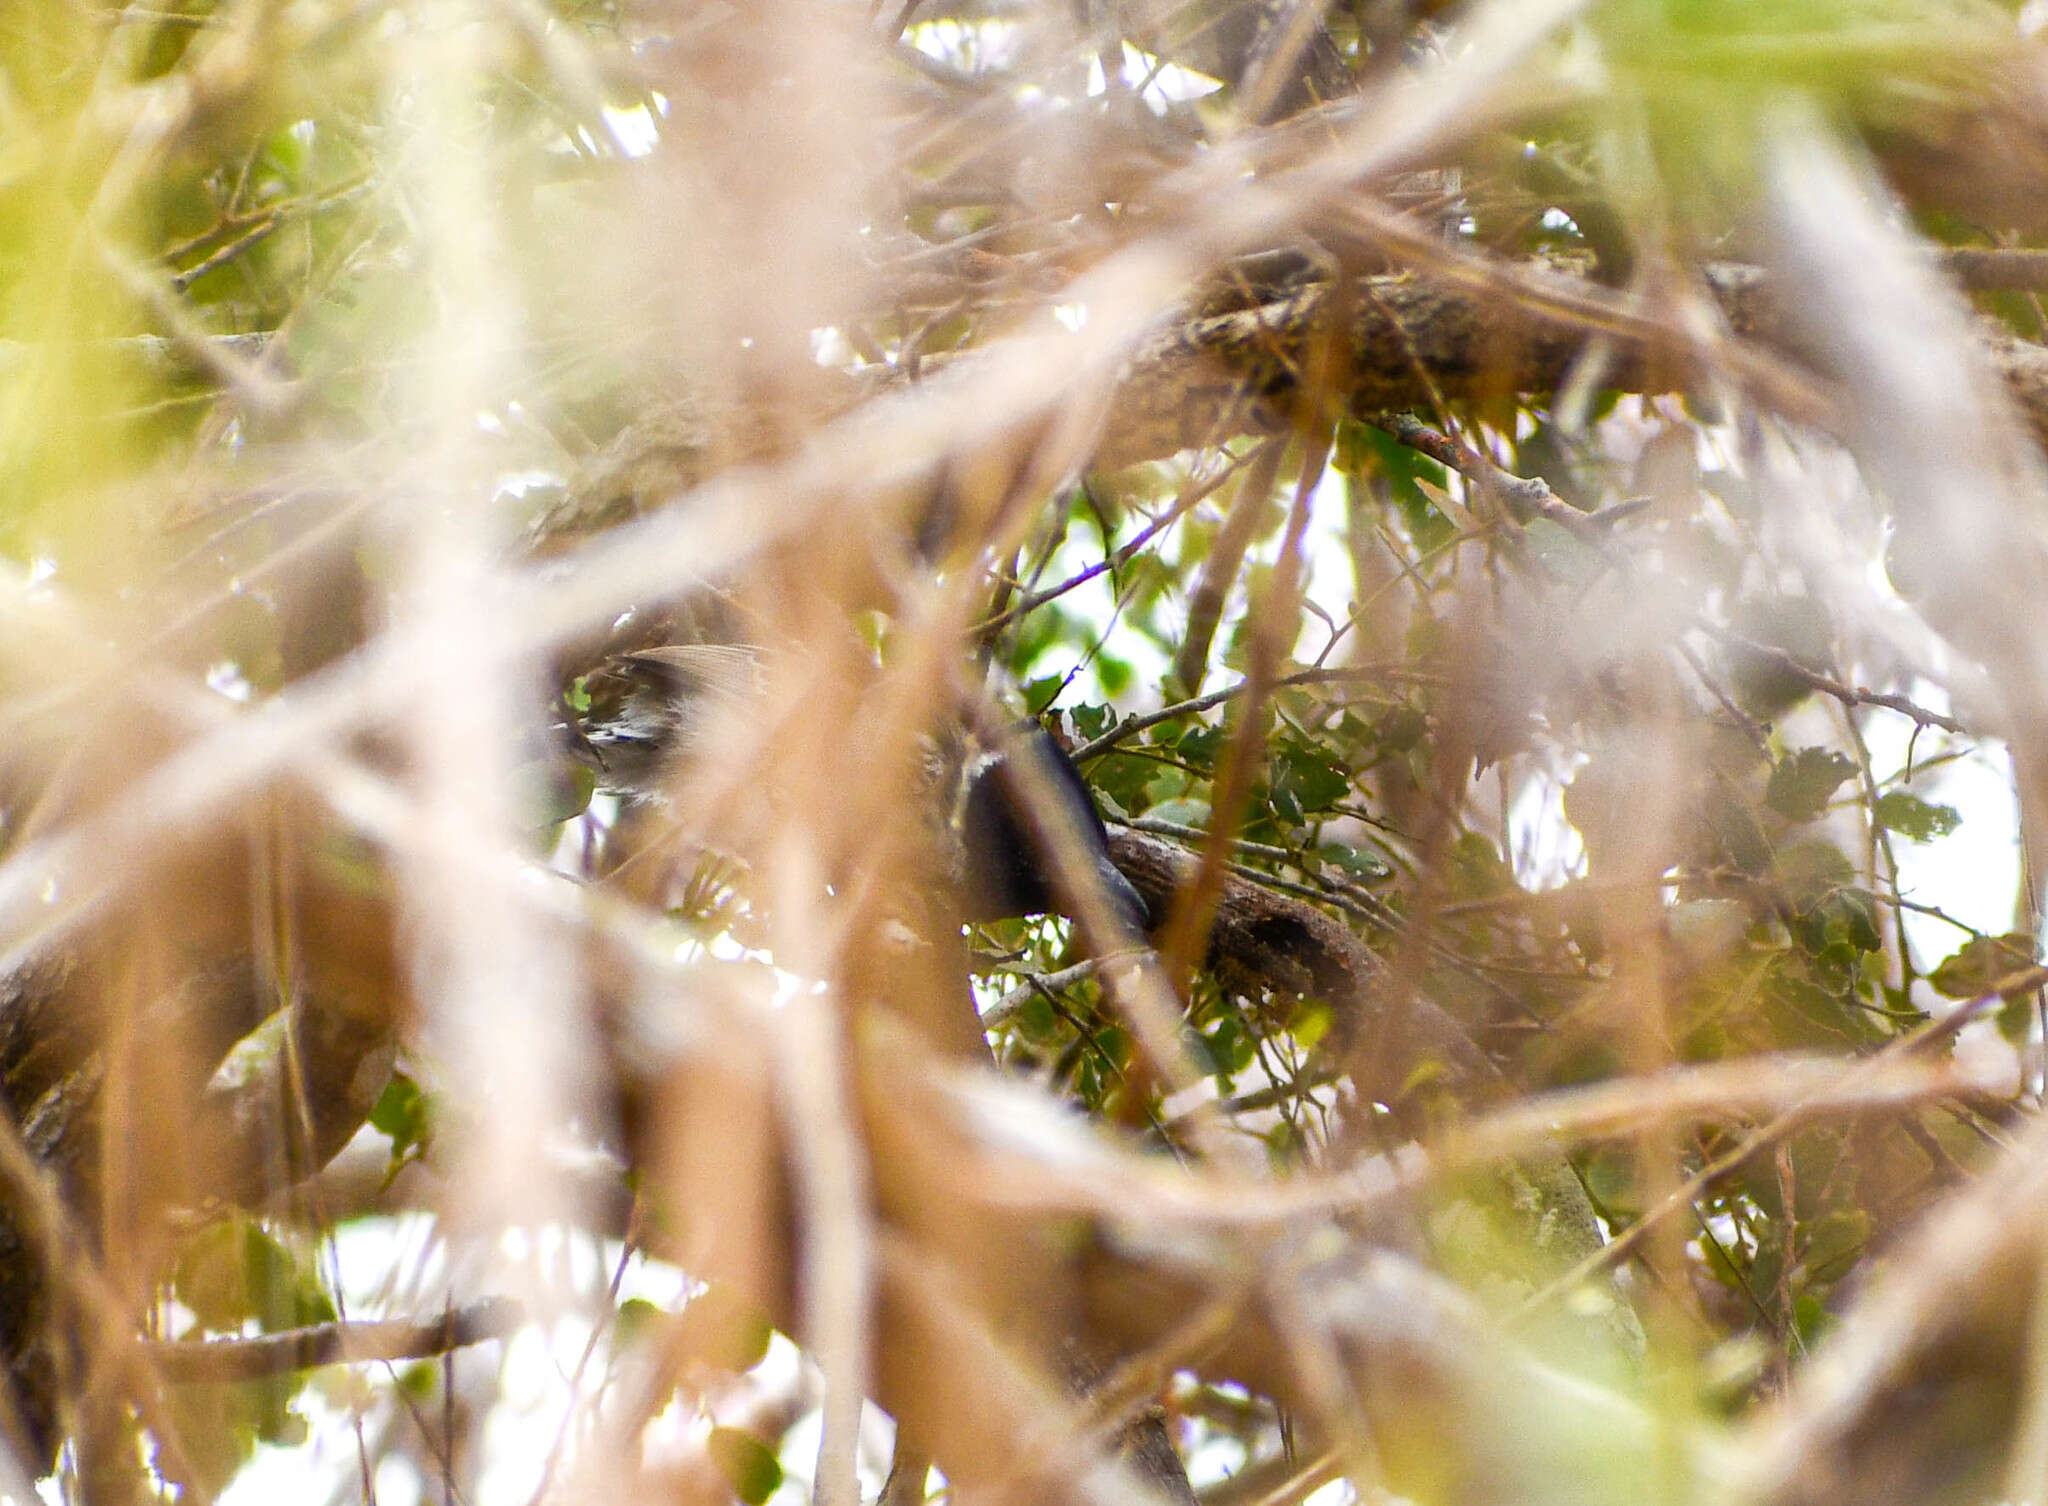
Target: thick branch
(1417, 339)
(1264, 943)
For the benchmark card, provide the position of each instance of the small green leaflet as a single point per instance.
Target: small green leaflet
(1915, 819)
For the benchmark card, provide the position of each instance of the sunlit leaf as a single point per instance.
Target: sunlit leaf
(747, 1463)
(1916, 819)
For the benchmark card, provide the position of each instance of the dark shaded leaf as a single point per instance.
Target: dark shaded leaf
(1733, 832)
(1805, 780)
(1970, 971)
(1200, 745)
(1310, 777)
(233, 1271)
(1123, 778)
(1477, 870)
(1042, 692)
(1092, 721)
(1401, 729)
(1796, 625)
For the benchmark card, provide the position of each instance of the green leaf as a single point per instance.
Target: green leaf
(548, 791)
(1565, 557)
(1856, 915)
(1840, 923)
(405, 1113)
(1805, 780)
(1183, 811)
(1310, 1022)
(1401, 729)
(220, 1425)
(724, 1329)
(1042, 692)
(1810, 871)
(1477, 870)
(1123, 778)
(233, 1271)
(1362, 450)
(1738, 838)
(747, 1463)
(1231, 1047)
(1200, 745)
(1835, 1240)
(1035, 1019)
(1092, 721)
(1811, 1318)
(1797, 626)
(1358, 860)
(1309, 777)
(1915, 819)
(1802, 1012)
(1833, 919)
(1971, 970)
(635, 1320)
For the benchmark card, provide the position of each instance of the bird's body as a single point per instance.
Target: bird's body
(1009, 842)
(649, 709)
(1009, 810)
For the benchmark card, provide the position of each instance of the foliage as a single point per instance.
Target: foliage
(1406, 506)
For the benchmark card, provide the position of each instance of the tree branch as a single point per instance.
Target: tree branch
(1471, 328)
(1848, 695)
(236, 1359)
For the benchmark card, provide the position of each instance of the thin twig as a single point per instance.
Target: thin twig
(1131, 726)
(262, 226)
(235, 1359)
(1848, 695)
(1198, 489)
(1037, 985)
(1522, 497)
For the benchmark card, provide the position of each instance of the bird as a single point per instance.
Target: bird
(1008, 858)
(649, 709)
